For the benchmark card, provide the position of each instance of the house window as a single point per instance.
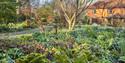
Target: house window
(110, 11)
(94, 11)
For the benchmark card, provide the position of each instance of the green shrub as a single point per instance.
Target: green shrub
(14, 53)
(85, 45)
(33, 58)
(88, 32)
(107, 43)
(12, 27)
(9, 56)
(26, 37)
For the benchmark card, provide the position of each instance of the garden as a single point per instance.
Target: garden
(55, 33)
(92, 44)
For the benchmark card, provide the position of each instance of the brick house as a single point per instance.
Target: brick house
(104, 12)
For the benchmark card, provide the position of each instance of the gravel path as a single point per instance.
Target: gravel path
(15, 34)
(30, 31)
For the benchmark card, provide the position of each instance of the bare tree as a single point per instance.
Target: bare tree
(72, 9)
(38, 21)
(37, 14)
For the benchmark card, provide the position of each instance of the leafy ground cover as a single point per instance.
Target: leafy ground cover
(12, 27)
(90, 44)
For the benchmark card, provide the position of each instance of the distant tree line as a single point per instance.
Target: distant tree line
(8, 11)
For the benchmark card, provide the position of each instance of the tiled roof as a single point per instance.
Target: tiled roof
(108, 4)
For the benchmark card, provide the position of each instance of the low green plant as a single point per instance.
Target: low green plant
(106, 44)
(27, 37)
(9, 56)
(84, 45)
(33, 58)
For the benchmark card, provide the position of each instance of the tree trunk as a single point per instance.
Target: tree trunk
(41, 27)
(71, 24)
(90, 21)
(17, 10)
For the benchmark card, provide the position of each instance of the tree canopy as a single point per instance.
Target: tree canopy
(7, 11)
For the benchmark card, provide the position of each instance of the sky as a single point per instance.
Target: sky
(37, 3)
(42, 1)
